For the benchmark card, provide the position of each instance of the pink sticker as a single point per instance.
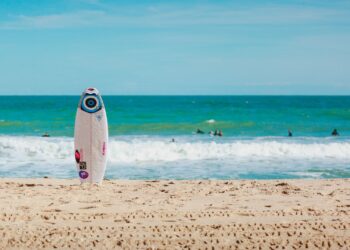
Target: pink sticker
(77, 156)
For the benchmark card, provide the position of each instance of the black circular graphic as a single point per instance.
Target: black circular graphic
(90, 102)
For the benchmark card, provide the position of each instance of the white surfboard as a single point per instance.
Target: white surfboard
(91, 137)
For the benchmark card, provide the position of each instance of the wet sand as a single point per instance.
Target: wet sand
(278, 214)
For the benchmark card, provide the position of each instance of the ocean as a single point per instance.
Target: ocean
(255, 144)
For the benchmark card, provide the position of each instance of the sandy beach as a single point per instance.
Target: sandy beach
(278, 214)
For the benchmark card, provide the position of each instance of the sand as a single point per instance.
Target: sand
(279, 214)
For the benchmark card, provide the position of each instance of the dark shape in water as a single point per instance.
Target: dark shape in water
(199, 131)
(335, 132)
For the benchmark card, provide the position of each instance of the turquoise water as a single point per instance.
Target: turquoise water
(138, 115)
(254, 145)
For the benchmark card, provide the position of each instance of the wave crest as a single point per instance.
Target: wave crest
(60, 150)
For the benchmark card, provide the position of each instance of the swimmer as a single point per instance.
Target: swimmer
(45, 135)
(199, 131)
(290, 134)
(335, 132)
(220, 133)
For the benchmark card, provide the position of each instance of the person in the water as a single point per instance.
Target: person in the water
(199, 131)
(45, 135)
(216, 133)
(335, 132)
(220, 133)
(290, 134)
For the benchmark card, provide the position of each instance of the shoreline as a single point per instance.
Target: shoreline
(168, 214)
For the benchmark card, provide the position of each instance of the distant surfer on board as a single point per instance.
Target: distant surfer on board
(91, 137)
(199, 131)
(45, 135)
(335, 132)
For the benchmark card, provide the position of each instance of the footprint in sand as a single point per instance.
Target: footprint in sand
(89, 207)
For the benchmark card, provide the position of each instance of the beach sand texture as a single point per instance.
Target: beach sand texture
(278, 214)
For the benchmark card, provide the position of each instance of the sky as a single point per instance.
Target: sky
(169, 47)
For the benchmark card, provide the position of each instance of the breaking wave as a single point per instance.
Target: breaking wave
(145, 149)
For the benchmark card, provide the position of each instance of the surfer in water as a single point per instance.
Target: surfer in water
(199, 131)
(45, 135)
(218, 133)
(290, 134)
(335, 132)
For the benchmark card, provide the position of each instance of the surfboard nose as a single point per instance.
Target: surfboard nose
(91, 100)
(91, 90)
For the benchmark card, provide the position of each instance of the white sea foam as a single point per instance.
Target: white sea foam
(138, 150)
(210, 121)
(145, 149)
(35, 149)
(187, 158)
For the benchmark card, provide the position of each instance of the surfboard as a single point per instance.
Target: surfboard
(91, 137)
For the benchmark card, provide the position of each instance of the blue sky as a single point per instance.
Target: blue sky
(175, 47)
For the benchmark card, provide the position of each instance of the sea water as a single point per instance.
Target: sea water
(142, 129)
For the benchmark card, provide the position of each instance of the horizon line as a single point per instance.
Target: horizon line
(183, 95)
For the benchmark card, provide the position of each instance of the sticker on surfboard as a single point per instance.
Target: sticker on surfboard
(90, 132)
